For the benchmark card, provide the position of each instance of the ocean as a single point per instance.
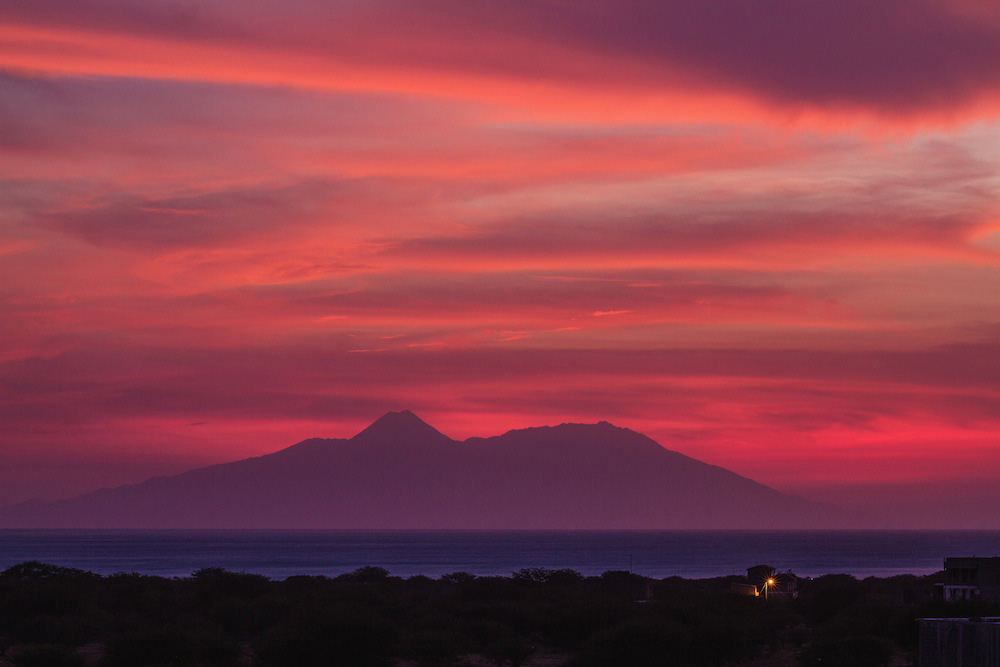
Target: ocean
(693, 554)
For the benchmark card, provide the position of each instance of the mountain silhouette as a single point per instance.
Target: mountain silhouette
(400, 472)
(404, 427)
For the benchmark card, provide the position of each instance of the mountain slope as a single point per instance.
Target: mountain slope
(402, 473)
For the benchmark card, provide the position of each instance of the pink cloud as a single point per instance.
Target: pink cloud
(898, 55)
(761, 232)
(803, 407)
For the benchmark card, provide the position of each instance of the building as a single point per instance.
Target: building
(759, 574)
(971, 578)
(764, 580)
(744, 589)
(959, 642)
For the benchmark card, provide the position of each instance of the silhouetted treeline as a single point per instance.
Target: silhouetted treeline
(52, 617)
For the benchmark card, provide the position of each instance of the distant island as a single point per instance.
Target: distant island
(401, 473)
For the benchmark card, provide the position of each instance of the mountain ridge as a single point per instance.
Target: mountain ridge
(400, 472)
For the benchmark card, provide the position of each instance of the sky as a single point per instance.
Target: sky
(766, 234)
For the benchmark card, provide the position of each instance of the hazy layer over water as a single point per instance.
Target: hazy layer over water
(657, 554)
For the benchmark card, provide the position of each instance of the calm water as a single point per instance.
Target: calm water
(278, 554)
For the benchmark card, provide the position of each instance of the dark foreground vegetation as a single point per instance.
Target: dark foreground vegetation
(55, 617)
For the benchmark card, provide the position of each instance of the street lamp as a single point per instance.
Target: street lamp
(767, 584)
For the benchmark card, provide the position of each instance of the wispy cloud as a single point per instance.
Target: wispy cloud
(763, 232)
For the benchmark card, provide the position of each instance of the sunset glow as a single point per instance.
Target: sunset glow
(765, 234)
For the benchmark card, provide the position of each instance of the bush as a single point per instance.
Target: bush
(354, 640)
(176, 647)
(46, 655)
(638, 644)
(849, 652)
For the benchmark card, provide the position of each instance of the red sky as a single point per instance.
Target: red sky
(767, 234)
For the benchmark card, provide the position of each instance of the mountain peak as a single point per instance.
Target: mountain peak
(403, 427)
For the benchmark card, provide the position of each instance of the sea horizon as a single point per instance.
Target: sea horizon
(691, 553)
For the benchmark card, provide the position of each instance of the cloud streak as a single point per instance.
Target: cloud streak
(894, 56)
(765, 233)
